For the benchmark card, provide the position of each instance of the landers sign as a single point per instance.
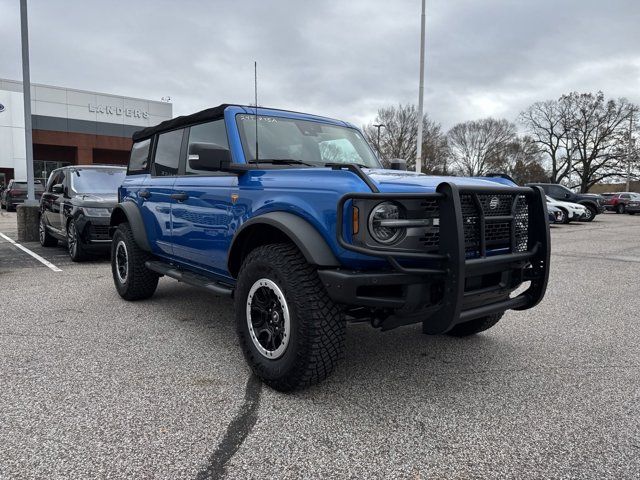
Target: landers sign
(118, 111)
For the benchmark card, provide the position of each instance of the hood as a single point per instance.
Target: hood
(400, 181)
(102, 200)
(575, 206)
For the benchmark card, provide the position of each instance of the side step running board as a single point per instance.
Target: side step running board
(189, 277)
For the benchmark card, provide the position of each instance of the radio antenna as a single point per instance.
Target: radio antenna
(255, 91)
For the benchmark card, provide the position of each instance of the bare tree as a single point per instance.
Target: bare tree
(478, 146)
(582, 134)
(399, 134)
(597, 134)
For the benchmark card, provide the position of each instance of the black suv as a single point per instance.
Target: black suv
(594, 203)
(76, 207)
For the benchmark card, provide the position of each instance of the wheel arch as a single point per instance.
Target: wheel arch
(128, 212)
(275, 227)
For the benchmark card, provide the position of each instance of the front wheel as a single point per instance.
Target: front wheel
(133, 280)
(620, 208)
(75, 247)
(475, 326)
(591, 213)
(291, 332)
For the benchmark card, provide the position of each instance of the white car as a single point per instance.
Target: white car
(574, 211)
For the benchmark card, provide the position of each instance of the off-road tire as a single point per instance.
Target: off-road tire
(317, 326)
(139, 282)
(79, 253)
(475, 326)
(46, 239)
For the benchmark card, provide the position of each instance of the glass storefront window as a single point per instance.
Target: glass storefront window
(42, 168)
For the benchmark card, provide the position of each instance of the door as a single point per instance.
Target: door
(155, 194)
(201, 216)
(54, 202)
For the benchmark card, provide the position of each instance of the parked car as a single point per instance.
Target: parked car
(573, 211)
(617, 202)
(304, 229)
(594, 203)
(556, 215)
(16, 193)
(76, 207)
(633, 207)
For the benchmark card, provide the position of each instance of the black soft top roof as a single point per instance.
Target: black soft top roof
(183, 121)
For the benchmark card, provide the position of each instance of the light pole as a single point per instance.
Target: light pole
(421, 92)
(630, 150)
(26, 93)
(378, 126)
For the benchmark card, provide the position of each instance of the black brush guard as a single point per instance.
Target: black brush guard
(453, 267)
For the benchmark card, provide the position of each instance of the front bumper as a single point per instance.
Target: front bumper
(94, 231)
(446, 287)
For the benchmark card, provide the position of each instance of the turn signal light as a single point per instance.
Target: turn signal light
(356, 220)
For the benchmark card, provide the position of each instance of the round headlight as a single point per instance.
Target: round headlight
(381, 233)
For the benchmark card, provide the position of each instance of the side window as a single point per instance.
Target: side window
(167, 155)
(52, 180)
(624, 195)
(210, 132)
(139, 159)
(557, 192)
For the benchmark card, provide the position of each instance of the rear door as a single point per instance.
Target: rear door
(155, 194)
(201, 218)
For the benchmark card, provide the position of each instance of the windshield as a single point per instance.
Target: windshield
(303, 141)
(105, 180)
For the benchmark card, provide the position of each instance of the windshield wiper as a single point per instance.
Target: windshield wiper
(285, 161)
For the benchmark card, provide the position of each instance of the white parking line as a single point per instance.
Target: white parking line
(33, 254)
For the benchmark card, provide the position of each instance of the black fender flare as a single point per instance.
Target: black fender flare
(129, 212)
(590, 203)
(304, 235)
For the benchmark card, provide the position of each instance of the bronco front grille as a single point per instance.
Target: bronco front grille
(504, 218)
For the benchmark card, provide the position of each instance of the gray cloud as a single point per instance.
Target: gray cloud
(338, 58)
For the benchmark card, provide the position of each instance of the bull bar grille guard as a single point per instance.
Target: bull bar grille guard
(451, 255)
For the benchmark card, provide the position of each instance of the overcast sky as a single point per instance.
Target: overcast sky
(340, 58)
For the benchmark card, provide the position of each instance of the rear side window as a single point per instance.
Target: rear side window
(167, 155)
(139, 159)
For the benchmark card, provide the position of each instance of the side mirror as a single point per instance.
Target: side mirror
(57, 188)
(208, 156)
(397, 164)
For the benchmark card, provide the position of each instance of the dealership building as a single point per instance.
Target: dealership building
(70, 127)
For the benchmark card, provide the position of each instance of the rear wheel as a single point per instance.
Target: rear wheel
(561, 217)
(475, 326)
(133, 280)
(46, 240)
(291, 333)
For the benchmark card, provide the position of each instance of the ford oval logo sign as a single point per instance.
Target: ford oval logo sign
(1, 107)
(493, 204)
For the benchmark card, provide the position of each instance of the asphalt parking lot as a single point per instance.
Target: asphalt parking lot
(94, 387)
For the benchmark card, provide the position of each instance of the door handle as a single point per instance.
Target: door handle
(144, 193)
(181, 197)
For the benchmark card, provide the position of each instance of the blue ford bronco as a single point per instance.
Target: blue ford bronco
(294, 217)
